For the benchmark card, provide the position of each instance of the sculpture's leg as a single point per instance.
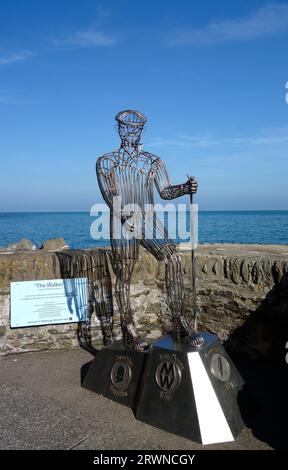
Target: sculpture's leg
(93, 264)
(181, 328)
(104, 311)
(125, 254)
(103, 298)
(123, 281)
(165, 250)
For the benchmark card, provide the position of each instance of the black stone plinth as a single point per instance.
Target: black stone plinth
(116, 373)
(192, 392)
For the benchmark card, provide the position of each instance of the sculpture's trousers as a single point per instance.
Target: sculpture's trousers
(125, 253)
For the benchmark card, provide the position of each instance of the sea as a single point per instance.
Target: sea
(263, 227)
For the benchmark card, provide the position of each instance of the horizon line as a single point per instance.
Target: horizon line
(88, 212)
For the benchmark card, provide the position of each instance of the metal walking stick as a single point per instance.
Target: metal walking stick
(193, 264)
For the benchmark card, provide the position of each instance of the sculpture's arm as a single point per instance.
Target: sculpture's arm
(106, 180)
(164, 187)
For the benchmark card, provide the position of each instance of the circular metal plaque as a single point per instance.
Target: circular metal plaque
(220, 367)
(168, 376)
(121, 375)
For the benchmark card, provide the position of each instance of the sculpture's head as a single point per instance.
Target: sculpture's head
(130, 126)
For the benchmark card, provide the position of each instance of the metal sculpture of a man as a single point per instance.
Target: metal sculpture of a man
(130, 174)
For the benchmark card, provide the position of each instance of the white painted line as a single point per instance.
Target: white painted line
(213, 425)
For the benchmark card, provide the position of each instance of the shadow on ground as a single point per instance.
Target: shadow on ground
(261, 342)
(263, 402)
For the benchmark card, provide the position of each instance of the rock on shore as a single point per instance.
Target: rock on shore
(54, 244)
(23, 245)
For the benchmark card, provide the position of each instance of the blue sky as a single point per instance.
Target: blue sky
(210, 76)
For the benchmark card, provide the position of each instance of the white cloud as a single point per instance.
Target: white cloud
(20, 56)
(87, 38)
(265, 137)
(267, 21)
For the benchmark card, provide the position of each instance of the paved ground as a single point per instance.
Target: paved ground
(43, 406)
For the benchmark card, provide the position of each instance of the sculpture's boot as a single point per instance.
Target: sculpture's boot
(182, 331)
(132, 339)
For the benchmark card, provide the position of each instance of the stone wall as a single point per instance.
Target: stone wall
(242, 297)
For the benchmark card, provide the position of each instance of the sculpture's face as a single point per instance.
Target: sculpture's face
(130, 126)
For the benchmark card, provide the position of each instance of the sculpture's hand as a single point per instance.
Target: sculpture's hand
(127, 219)
(191, 185)
(127, 214)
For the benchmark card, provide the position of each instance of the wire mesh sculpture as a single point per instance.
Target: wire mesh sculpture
(92, 264)
(130, 175)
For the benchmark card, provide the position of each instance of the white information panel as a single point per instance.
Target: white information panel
(35, 303)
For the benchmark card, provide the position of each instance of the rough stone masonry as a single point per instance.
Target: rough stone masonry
(242, 297)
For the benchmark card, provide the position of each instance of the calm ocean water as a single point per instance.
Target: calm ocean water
(214, 227)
